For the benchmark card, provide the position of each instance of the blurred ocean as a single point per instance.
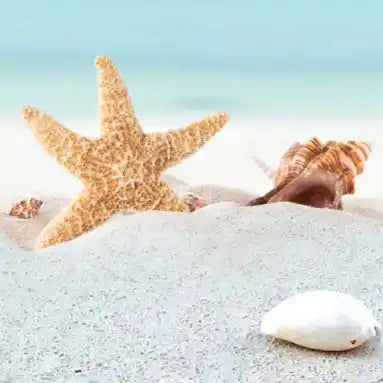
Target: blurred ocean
(284, 70)
(255, 59)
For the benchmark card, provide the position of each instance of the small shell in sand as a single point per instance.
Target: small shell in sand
(25, 208)
(194, 201)
(322, 320)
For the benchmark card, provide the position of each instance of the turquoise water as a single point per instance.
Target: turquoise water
(267, 59)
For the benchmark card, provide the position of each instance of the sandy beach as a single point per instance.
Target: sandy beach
(178, 297)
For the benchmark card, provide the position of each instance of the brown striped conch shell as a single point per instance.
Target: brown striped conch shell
(318, 188)
(26, 208)
(295, 161)
(317, 175)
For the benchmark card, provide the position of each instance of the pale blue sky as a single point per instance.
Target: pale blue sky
(260, 31)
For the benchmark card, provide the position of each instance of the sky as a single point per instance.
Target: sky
(263, 32)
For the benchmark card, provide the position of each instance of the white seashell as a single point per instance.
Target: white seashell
(322, 320)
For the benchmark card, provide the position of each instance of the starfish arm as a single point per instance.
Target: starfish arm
(116, 111)
(168, 200)
(152, 195)
(173, 146)
(89, 210)
(67, 147)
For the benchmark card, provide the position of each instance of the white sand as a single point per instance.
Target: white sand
(172, 295)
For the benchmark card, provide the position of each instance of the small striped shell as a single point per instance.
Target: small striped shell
(26, 208)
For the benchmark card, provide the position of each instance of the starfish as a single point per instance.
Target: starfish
(121, 170)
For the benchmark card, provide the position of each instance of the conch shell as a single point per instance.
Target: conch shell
(317, 174)
(295, 160)
(317, 188)
(26, 208)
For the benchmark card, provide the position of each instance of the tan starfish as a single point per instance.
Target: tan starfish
(121, 169)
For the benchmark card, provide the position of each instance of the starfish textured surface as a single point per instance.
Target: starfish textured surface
(121, 169)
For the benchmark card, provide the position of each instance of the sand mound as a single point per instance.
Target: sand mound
(24, 232)
(174, 297)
